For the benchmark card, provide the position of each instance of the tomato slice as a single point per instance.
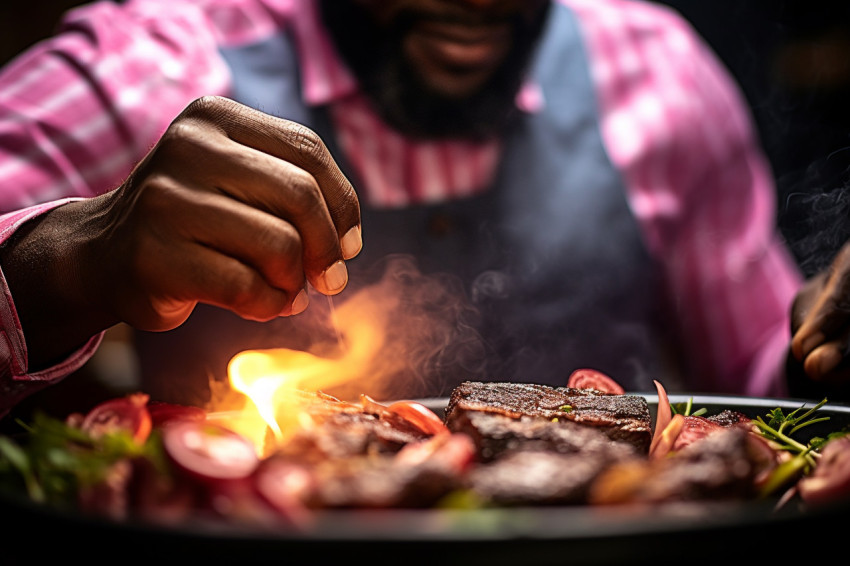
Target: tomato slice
(163, 413)
(285, 486)
(587, 378)
(128, 413)
(419, 416)
(694, 429)
(209, 451)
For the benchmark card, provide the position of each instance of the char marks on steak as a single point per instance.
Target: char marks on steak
(416, 477)
(727, 418)
(535, 461)
(495, 435)
(723, 465)
(623, 418)
(536, 477)
(333, 430)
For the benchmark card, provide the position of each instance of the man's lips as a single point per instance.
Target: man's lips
(460, 46)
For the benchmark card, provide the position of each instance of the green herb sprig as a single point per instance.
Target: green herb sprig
(55, 460)
(778, 428)
(685, 409)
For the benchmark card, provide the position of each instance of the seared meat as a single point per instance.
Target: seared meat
(722, 466)
(417, 476)
(333, 429)
(730, 418)
(620, 417)
(496, 434)
(536, 477)
(536, 461)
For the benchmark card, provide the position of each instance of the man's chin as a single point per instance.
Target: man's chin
(437, 102)
(423, 112)
(458, 86)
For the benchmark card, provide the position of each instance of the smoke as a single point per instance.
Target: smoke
(418, 330)
(817, 225)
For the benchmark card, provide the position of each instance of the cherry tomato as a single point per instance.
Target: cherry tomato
(163, 413)
(285, 486)
(128, 413)
(209, 451)
(594, 379)
(420, 416)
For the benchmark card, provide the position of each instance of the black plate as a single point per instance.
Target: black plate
(558, 535)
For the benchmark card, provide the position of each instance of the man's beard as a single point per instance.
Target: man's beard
(404, 100)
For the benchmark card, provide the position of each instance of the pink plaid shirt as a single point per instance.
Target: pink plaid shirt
(79, 110)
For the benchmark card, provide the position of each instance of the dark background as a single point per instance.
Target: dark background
(792, 60)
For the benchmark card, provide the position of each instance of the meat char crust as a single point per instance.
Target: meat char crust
(621, 417)
(496, 435)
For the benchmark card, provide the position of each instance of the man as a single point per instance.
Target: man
(585, 170)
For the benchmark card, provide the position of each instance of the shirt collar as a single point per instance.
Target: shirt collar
(326, 79)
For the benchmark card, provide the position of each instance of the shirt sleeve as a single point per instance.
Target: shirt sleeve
(676, 125)
(78, 110)
(16, 381)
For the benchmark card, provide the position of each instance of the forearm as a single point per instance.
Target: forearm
(25, 358)
(49, 290)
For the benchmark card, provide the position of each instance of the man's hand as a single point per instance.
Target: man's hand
(232, 207)
(820, 325)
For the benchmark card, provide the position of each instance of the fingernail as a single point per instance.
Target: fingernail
(351, 243)
(335, 277)
(301, 301)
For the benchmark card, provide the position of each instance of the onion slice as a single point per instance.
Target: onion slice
(663, 443)
(663, 415)
(419, 416)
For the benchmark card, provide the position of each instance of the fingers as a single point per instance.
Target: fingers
(195, 273)
(233, 208)
(821, 314)
(255, 207)
(823, 359)
(264, 242)
(829, 313)
(323, 184)
(221, 280)
(291, 194)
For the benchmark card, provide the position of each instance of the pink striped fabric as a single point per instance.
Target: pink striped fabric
(16, 380)
(700, 188)
(79, 110)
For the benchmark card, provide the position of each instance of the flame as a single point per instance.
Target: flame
(269, 378)
(381, 338)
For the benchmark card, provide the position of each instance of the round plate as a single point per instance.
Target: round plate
(512, 536)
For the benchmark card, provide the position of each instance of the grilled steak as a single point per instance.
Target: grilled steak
(536, 477)
(417, 476)
(722, 466)
(534, 461)
(333, 429)
(621, 417)
(495, 435)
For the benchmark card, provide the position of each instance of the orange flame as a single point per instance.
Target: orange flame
(381, 337)
(269, 378)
